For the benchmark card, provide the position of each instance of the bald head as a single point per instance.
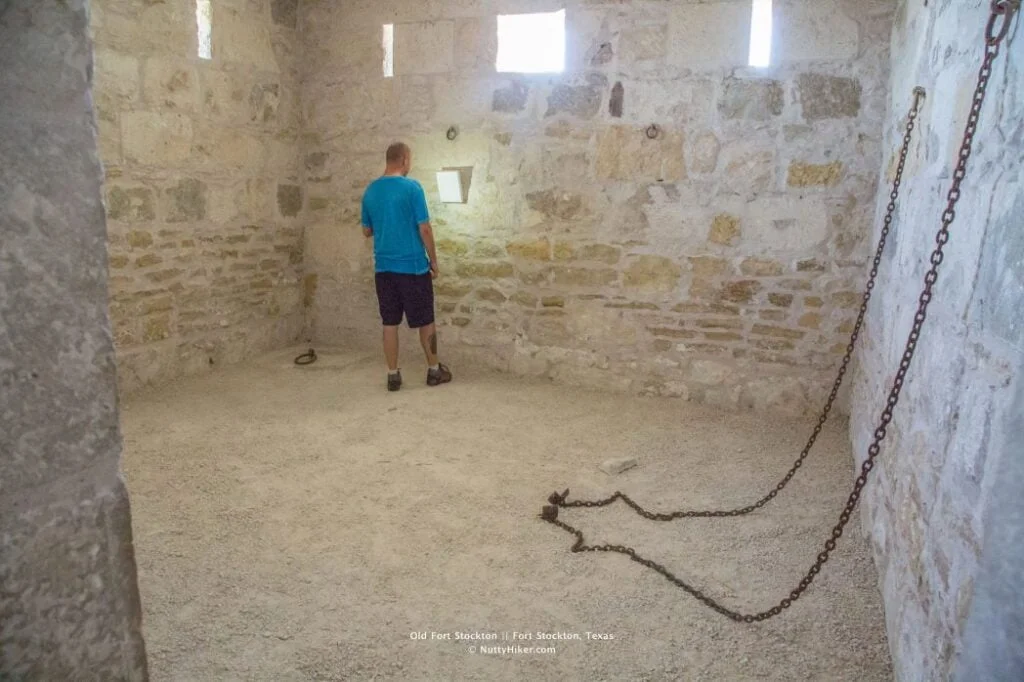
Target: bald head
(397, 153)
(399, 158)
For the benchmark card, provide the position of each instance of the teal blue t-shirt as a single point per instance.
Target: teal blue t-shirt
(394, 207)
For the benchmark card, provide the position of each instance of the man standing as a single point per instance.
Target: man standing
(405, 258)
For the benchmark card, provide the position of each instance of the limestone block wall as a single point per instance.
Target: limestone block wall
(69, 602)
(929, 503)
(203, 182)
(720, 261)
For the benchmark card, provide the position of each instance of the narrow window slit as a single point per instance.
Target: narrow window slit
(204, 28)
(761, 34)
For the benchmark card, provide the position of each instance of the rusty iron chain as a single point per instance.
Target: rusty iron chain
(843, 365)
(995, 33)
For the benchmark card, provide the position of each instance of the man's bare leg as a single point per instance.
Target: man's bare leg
(428, 339)
(437, 374)
(391, 348)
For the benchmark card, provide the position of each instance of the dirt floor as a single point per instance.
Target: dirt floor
(302, 524)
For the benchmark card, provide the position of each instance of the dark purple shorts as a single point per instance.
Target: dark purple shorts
(411, 295)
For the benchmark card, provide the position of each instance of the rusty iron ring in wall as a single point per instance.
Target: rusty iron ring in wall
(1000, 8)
(452, 133)
(652, 131)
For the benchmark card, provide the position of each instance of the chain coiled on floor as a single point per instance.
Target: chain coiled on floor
(1002, 12)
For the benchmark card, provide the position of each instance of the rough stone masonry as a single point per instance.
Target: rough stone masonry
(69, 603)
(930, 505)
(203, 182)
(720, 261)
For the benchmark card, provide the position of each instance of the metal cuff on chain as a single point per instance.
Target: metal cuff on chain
(549, 513)
(557, 498)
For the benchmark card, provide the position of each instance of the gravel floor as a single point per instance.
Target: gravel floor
(302, 524)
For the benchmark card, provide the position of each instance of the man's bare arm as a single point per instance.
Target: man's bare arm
(427, 232)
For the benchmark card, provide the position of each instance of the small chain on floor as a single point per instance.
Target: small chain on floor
(306, 358)
(1002, 12)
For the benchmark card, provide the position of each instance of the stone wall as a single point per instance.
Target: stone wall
(995, 623)
(929, 503)
(720, 261)
(203, 182)
(69, 603)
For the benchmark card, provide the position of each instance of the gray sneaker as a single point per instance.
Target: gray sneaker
(394, 381)
(442, 375)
